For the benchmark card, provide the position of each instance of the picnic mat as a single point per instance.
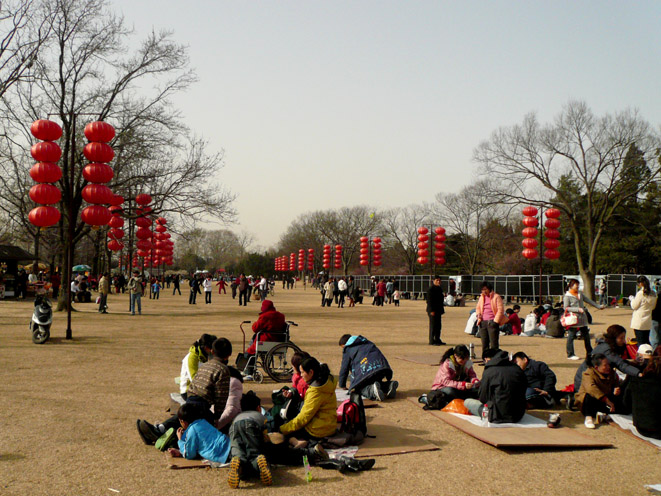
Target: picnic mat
(390, 440)
(517, 437)
(526, 422)
(625, 423)
(176, 462)
(340, 394)
(433, 360)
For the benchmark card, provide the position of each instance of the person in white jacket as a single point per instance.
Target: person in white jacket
(207, 284)
(342, 288)
(642, 305)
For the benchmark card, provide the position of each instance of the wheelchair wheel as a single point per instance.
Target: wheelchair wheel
(277, 362)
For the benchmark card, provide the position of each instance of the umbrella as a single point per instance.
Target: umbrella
(81, 268)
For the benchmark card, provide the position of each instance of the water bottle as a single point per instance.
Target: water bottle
(485, 415)
(306, 466)
(471, 349)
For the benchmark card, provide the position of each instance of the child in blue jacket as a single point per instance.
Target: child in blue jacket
(198, 438)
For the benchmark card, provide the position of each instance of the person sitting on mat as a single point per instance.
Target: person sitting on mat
(297, 381)
(198, 438)
(502, 389)
(541, 381)
(531, 325)
(643, 394)
(600, 391)
(370, 372)
(456, 377)
(318, 415)
(554, 327)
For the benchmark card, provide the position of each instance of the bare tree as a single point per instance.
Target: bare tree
(533, 162)
(400, 228)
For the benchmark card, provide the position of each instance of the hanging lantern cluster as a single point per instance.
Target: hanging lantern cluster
(423, 245)
(327, 257)
(301, 260)
(45, 171)
(364, 250)
(310, 259)
(439, 246)
(292, 261)
(281, 264)
(530, 233)
(552, 233)
(338, 257)
(376, 244)
(97, 172)
(163, 246)
(144, 223)
(116, 224)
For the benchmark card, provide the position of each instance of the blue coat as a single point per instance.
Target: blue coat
(364, 361)
(201, 439)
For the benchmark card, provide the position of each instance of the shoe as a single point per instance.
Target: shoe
(434, 344)
(377, 392)
(589, 423)
(423, 399)
(264, 471)
(356, 465)
(167, 440)
(320, 453)
(392, 389)
(573, 357)
(602, 418)
(234, 477)
(148, 432)
(554, 420)
(441, 343)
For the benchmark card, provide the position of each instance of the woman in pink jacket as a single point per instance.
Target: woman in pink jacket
(490, 316)
(456, 377)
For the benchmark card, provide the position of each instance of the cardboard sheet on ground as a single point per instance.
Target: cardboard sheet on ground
(341, 395)
(516, 437)
(526, 422)
(625, 423)
(390, 440)
(179, 463)
(433, 360)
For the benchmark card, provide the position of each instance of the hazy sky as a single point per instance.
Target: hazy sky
(323, 104)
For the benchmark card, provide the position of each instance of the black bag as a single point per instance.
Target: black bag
(436, 400)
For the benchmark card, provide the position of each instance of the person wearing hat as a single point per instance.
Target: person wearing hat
(270, 326)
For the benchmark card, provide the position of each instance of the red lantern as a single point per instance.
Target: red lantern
(143, 233)
(529, 243)
(376, 240)
(115, 245)
(95, 215)
(364, 239)
(377, 263)
(552, 213)
(422, 230)
(439, 260)
(552, 223)
(530, 221)
(117, 200)
(46, 130)
(116, 222)
(143, 222)
(529, 211)
(141, 252)
(552, 233)
(44, 216)
(423, 260)
(162, 221)
(440, 238)
(143, 244)
(45, 194)
(146, 209)
(423, 244)
(530, 232)
(46, 151)
(97, 194)
(362, 262)
(98, 173)
(530, 253)
(45, 172)
(115, 233)
(97, 152)
(552, 254)
(99, 131)
(161, 229)
(552, 244)
(143, 199)
(439, 230)
(439, 246)
(423, 253)
(423, 237)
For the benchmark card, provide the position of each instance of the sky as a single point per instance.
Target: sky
(324, 104)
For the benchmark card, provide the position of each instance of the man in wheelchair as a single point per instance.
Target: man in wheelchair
(271, 326)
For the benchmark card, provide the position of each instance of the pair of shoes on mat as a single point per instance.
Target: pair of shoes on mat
(602, 418)
(346, 464)
(234, 476)
(148, 432)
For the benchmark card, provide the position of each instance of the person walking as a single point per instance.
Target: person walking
(351, 285)
(135, 292)
(603, 297)
(643, 305)
(104, 289)
(194, 290)
(221, 286)
(381, 292)
(490, 316)
(435, 310)
(208, 287)
(176, 282)
(574, 302)
(243, 290)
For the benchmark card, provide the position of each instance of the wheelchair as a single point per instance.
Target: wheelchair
(273, 357)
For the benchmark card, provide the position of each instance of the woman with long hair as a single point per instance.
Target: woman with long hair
(456, 377)
(198, 353)
(574, 301)
(643, 305)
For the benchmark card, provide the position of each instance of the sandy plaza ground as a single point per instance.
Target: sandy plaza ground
(70, 407)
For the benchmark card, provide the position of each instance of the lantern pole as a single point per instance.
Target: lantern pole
(71, 226)
(541, 251)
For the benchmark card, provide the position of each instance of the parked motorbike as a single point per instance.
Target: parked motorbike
(42, 318)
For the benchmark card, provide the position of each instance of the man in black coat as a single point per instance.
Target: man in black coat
(435, 310)
(541, 381)
(502, 389)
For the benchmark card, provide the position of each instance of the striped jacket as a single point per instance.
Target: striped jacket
(212, 383)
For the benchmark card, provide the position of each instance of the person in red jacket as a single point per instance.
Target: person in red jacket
(269, 321)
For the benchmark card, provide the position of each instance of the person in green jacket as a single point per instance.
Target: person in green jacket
(198, 353)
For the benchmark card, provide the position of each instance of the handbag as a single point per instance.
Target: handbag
(569, 319)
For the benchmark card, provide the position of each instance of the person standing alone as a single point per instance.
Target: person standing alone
(104, 289)
(207, 289)
(490, 316)
(435, 310)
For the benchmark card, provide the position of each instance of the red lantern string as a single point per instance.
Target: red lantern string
(45, 171)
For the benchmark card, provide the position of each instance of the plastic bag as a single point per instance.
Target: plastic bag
(456, 406)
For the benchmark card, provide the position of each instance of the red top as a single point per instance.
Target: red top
(516, 323)
(269, 321)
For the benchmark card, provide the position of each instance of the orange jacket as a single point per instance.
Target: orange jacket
(497, 307)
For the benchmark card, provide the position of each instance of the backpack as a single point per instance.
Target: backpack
(351, 416)
(436, 400)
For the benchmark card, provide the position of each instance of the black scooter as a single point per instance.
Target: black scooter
(42, 318)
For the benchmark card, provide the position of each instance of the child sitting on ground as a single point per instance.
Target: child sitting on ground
(297, 381)
(247, 434)
(198, 438)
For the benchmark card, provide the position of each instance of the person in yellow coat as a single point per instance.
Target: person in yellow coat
(318, 416)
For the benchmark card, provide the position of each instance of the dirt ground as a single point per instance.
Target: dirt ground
(69, 407)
